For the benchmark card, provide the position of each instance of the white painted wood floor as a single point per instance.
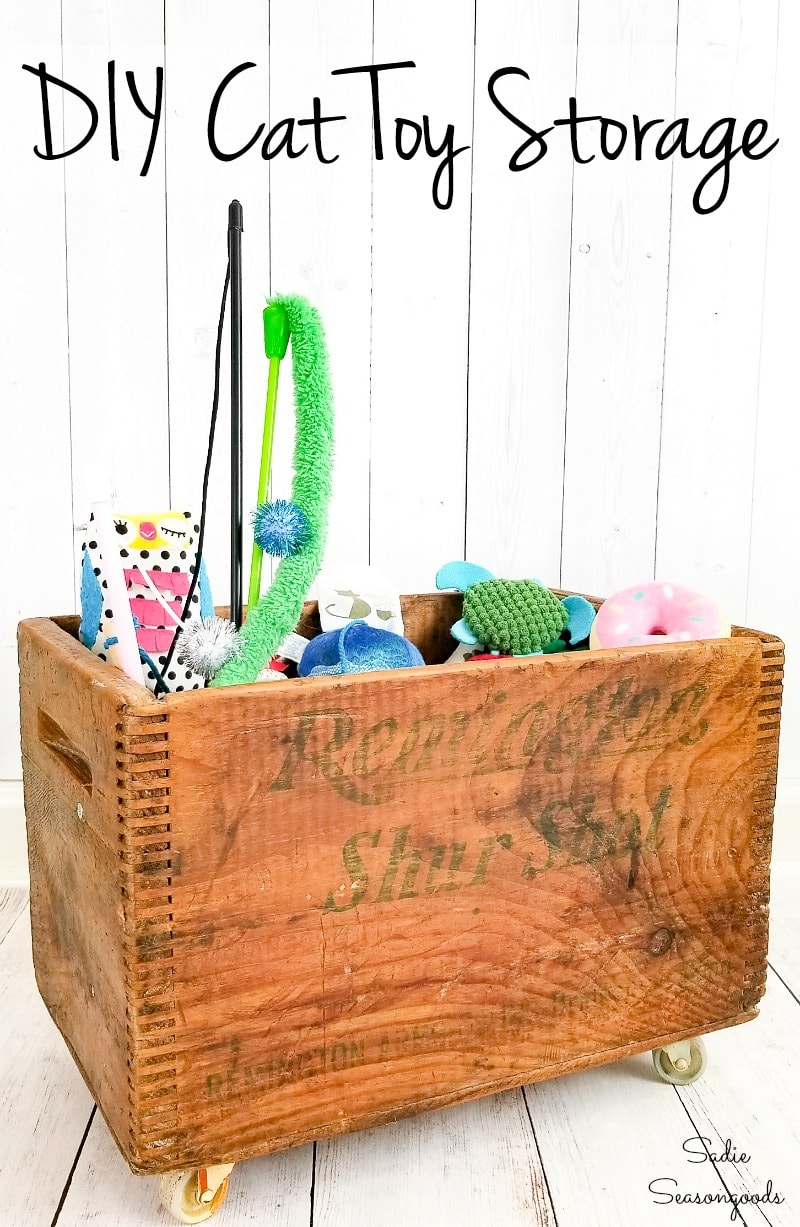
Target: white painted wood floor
(579, 1151)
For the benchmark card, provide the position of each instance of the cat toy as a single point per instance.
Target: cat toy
(275, 525)
(517, 616)
(235, 227)
(118, 641)
(206, 642)
(277, 612)
(163, 606)
(139, 594)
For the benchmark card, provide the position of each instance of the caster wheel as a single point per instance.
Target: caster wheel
(190, 1196)
(681, 1063)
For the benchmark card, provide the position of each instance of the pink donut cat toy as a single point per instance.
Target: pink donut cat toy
(657, 613)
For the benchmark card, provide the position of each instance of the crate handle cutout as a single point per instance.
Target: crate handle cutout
(59, 744)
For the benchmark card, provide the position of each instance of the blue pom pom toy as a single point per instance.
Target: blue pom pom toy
(280, 528)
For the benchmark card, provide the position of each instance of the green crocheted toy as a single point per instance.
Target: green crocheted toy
(519, 616)
(514, 615)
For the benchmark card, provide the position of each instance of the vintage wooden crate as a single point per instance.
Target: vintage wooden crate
(271, 913)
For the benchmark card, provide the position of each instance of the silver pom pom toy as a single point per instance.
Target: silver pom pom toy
(208, 644)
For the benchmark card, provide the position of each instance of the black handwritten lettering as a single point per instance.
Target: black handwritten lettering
(280, 137)
(702, 1151)
(407, 151)
(154, 115)
(374, 71)
(316, 121)
(605, 148)
(212, 117)
(533, 136)
(45, 80)
(572, 123)
(588, 135)
(445, 167)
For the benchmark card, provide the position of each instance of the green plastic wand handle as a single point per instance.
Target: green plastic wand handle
(276, 341)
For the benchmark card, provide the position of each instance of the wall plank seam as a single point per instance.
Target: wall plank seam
(469, 272)
(168, 385)
(74, 516)
(371, 311)
(765, 270)
(569, 321)
(666, 304)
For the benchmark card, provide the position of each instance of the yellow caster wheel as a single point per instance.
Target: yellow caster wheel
(193, 1196)
(681, 1063)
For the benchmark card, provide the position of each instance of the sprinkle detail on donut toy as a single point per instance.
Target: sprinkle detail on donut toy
(657, 613)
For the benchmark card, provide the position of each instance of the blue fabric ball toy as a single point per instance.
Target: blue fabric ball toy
(357, 648)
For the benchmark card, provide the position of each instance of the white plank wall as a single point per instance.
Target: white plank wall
(116, 254)
(519, 300)
(778, 424)
(726, 66)
(35, 465)
(567, 374)
(203, 43)
(618, 301)
(321, 241)
(420, 297)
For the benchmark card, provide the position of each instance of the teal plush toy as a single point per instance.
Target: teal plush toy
(518, 616)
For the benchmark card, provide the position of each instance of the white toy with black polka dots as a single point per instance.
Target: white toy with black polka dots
(158, 555)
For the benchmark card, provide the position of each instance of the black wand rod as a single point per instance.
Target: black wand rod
(235, 228)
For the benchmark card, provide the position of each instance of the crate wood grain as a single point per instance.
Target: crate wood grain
(272, 913)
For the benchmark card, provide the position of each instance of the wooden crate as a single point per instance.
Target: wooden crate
(272, 913)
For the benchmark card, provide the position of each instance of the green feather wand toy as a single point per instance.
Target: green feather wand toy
(277, 613)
